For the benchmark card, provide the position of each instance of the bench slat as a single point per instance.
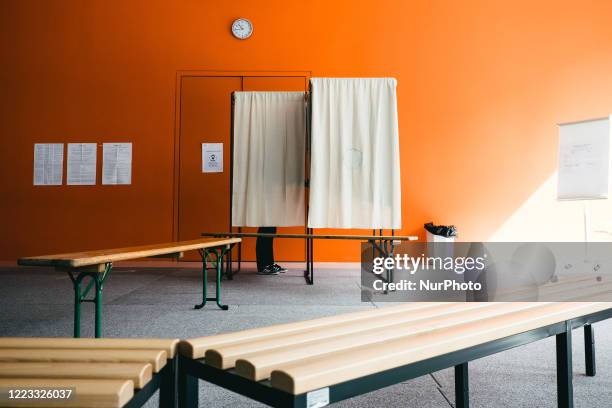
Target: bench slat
(258, 366)
(333, 368)
(139, 373)
(169, 345)
(89, 393)
(157, 358)
(225, 357)
(86, 258)
(197, 347)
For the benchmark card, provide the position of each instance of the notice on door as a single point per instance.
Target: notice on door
(212, 157)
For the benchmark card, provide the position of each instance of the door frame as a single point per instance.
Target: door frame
(177, 121)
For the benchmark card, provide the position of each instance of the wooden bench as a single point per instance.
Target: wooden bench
(383, 244)
(317, 362)
(105, 373)
(97, 265)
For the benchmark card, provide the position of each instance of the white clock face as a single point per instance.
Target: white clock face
(242, 28)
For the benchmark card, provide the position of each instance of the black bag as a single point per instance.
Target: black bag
(441, 230)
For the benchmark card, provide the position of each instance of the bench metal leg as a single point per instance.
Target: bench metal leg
(565, 391)
(96, 281)
(589, 350)
(76, 283)
(462, 386)
(98, 313)
(168, 384)
(187, 390)
(218, 262)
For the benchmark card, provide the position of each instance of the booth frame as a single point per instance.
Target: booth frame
(309, 244)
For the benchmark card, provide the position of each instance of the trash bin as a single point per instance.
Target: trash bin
(440, 233)
(440, 239)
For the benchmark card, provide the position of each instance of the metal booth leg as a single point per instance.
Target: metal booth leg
(239, 257)
(311, 261)
(97, 280)
(217, 263)
(309, 272)
(391, 251)
(565, 391)
(462, 386)
(589, 350)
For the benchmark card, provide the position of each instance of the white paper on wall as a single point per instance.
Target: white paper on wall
(584, 160)
(212, 157)
(48, 164)
(81, 164)
(117, 163)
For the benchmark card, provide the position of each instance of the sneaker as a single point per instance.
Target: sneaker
(279, 268)
(268, 270)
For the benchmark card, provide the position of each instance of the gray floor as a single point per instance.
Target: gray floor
(157, 302)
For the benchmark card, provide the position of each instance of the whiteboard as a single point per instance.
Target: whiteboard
(584, 160)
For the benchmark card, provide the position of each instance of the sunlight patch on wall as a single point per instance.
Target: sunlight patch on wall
(543, 218)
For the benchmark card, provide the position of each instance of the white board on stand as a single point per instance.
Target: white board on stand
(584, 160)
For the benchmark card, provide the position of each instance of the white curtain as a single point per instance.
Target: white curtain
(355, 169)
(269, 151)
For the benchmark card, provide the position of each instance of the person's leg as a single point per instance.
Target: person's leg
(271, 230)
(264, 248)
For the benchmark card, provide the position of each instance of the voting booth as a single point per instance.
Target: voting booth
(340, 139)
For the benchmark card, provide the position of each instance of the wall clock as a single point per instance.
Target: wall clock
(242, 28)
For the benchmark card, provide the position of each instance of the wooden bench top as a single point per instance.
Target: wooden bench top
(197, 347)
(224, 356)
(312, 236)
(304, 356)
(139, 373)
(105, 372)
(97, 393)
(157, 358)
(97, 257)
(169, 345)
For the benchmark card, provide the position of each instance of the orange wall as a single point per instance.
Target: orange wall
(481, 85)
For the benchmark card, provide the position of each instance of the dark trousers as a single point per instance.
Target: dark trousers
(264, 248)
